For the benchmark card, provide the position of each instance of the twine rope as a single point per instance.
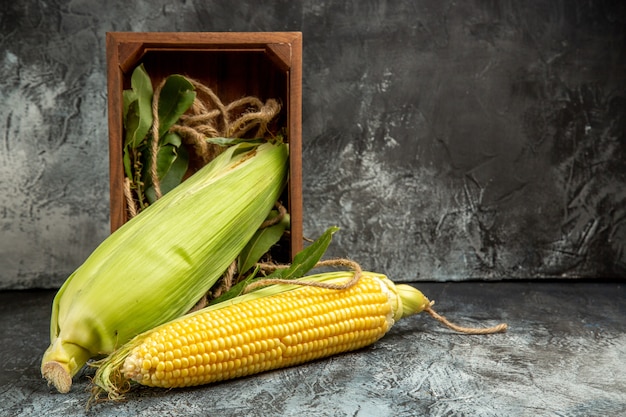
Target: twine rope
(282, 212)
(154, 144)
(227, 280)
(207, 117)
(130, 202)
(462, 329)
(329, 285)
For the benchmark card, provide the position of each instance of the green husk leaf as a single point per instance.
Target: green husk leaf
(261, 243)
(178, 261)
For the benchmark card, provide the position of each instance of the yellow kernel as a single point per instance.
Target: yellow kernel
(169, 367)
(169, 355)
(238, 352)
(222, 330)
(215, 345)
(258, 334)
(146, 364)
(176, 363)
(177, 353)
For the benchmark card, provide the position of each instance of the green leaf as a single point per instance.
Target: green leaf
(131, 122)
(261, 242)
(142, 87)
(303, 262)
(176, 172)
(306, 259)
(127, 164)
(236, 289)
(129, 97)
(173, 139)
(177, 95)
(172, 164)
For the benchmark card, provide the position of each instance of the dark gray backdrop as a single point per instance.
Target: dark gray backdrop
(449, 140)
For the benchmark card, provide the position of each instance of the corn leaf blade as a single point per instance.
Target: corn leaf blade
(261, 243)
(176, 96)
(306, 259)
(139, 116)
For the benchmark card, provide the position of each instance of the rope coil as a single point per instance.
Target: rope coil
(208, 117)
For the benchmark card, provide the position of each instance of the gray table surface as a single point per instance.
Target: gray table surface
(562, 356)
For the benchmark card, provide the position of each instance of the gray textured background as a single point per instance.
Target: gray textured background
(449, 140)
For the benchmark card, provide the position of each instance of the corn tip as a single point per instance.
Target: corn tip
(413, 301)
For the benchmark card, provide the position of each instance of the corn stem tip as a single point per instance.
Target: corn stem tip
(56, 374)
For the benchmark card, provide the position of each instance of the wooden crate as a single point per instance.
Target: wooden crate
(233, 64)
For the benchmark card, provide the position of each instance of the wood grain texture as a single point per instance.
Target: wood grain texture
(449, 140)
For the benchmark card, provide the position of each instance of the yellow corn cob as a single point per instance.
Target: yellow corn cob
(156, 266)
(275, 327)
